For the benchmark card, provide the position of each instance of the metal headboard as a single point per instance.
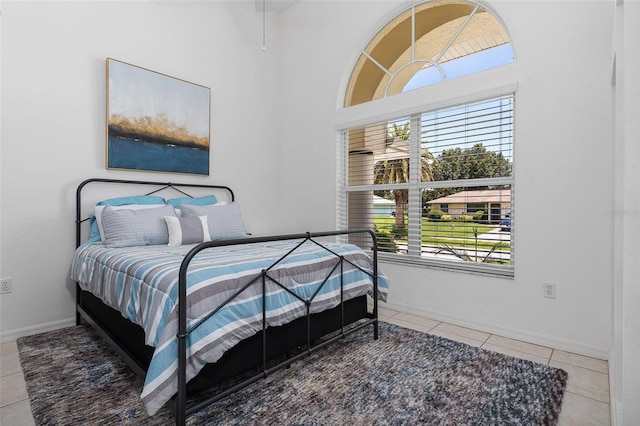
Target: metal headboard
(159, 186)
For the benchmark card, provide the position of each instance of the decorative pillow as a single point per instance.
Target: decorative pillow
(97, 212)
(128, 227)
(225, 221)
(196, 201)
(95, 233)
(187, 230)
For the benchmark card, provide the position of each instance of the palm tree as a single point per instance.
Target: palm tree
(396, 170)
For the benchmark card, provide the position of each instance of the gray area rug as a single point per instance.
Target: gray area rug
(405, 377)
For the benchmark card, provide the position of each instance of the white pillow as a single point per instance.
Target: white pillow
(97, 212)
(225, 220)
(187, 230)
(128, 227)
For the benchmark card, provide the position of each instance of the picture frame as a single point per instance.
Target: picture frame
(156, 122)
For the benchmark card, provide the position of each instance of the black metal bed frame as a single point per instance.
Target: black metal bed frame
(179, 403)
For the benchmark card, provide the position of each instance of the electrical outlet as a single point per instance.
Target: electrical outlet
(5, 285)
(549, 290)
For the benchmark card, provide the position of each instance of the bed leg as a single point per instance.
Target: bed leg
(78, 302)
(375, 308)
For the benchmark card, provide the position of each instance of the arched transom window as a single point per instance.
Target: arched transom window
(429, 43)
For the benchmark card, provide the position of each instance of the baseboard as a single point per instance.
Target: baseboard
(13, 335)
(510, 332)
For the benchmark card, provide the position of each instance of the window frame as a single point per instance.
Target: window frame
(414, 187)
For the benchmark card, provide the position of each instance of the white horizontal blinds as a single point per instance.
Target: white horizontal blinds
(361, 143)
(378, 157)
(471, 141)
(379, 154)
(451, 168)
(468, 207)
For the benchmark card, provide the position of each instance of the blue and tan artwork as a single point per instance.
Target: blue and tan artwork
(156, 122)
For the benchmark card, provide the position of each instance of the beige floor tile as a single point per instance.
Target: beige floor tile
(407, 324)
(514, 353)
(386, 312)
(585, 382)
(463, 331)
(456, 337)
(581, 361)
(425, 322)
(520, 346)
(13, 388)
(579, 410)
(18, 414)
(8, 347)
(10, 363)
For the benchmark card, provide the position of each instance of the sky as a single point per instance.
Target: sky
(465, 65)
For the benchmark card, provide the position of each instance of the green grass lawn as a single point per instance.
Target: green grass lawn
(454, 234)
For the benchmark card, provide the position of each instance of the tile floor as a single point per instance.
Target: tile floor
(586, 400)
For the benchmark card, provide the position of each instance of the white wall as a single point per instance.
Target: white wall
(53, 124)
(564, 164)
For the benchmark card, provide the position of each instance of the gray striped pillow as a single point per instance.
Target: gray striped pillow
(187, 230)
(224, 220)
(124, 228)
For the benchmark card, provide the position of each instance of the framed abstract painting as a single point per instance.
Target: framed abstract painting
(156, 122)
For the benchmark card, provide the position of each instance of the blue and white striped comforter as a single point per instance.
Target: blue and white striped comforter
(142, 283)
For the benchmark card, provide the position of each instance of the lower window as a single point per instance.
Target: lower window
(437, 186)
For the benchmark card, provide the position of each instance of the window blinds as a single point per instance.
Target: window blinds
(436, 185)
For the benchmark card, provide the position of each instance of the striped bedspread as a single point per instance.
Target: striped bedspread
(142, 283)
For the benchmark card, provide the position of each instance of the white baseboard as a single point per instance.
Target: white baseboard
(13, 335)
(510, 332)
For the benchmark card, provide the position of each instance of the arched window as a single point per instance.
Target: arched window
(434, 181)
(427, 44)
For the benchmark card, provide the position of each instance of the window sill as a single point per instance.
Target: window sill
(446, 265)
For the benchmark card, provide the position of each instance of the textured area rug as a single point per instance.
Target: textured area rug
(405, 377)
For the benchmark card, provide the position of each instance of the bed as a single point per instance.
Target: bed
(191, 301)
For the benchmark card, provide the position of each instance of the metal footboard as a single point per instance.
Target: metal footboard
(181, 411)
